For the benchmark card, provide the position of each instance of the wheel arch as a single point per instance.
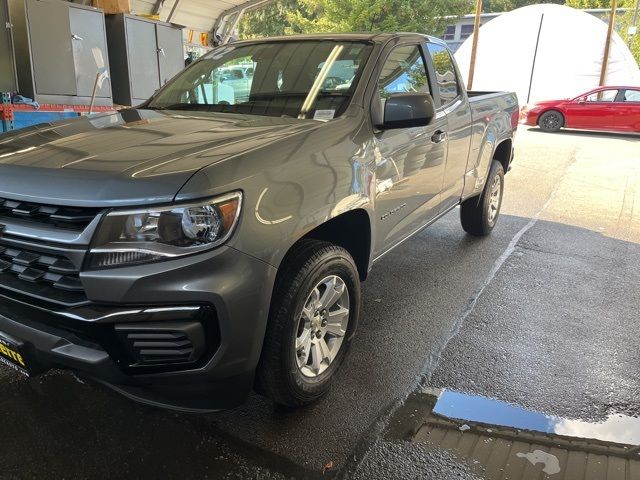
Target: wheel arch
(350, 230)
(504, 153)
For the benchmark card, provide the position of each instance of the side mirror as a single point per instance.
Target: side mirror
(582, 100)
(406, 110)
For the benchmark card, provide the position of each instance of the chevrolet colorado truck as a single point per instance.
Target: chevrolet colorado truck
(204, 244)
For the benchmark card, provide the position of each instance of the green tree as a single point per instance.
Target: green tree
(269, 21)
(314, 16)
(589, 3)
(623, 22)
(622, 26)
(508, 5)
(376, 15)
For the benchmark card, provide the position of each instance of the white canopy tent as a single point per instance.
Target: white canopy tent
(545, 52)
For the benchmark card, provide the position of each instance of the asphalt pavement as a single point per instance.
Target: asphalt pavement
(541, 314)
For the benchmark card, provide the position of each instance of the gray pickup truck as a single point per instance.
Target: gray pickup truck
(197, 247)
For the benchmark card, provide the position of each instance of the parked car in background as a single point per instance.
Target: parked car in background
(605, 108)
(239, 78)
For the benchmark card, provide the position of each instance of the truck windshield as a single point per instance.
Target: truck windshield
(300, 79)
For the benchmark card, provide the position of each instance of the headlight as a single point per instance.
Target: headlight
(132, 237)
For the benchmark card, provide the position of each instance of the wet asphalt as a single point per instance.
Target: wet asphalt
(541, 314)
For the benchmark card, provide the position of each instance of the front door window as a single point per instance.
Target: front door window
(603, 96)
(403, 72)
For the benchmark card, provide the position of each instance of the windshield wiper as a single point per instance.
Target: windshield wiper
(322, 93)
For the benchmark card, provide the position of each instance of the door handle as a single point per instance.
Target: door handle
(438, 136)
(76, 37)
(161, 51)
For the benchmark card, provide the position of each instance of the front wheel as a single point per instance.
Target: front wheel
(551, 121)
(314, 312)
(479, 215)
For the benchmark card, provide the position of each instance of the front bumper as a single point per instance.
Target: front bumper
(529, 118)
(224, 290)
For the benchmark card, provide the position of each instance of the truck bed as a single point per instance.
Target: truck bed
(483, 102)
(477, 94)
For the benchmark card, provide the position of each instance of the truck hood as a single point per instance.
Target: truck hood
(131, 157)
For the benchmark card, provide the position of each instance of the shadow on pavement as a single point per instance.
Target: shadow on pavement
(588, 133)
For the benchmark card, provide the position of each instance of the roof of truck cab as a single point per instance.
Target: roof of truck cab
(345, 37)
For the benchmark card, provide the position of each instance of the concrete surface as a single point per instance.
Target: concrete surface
(561, 310)
(542, 313)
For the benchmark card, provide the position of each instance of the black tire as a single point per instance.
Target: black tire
(278, 376)
(551, 121)
(475, 215)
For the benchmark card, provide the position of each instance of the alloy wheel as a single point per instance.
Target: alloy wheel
(495, 195)
(322, 326)
(552, 122)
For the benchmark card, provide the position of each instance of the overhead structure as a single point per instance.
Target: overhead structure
(544, 52)
(218, 16)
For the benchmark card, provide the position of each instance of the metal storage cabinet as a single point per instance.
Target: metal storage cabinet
(8, 82)
(145, 54)
(59, 48)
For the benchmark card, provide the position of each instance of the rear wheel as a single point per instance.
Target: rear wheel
(478, 215)
(551, 121)
(313, 315)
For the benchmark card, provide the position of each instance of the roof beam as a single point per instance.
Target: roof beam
(157, 8)
(249, 5)
(243, 7)
(174, 10)
(233, 26)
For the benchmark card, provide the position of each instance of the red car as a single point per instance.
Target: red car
(605, 108)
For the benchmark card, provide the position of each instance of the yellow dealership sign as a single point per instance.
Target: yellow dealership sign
(11, 354)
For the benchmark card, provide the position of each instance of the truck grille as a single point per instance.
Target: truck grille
(35, 267)
(47, 276)
(62, 217)
(42, 248)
